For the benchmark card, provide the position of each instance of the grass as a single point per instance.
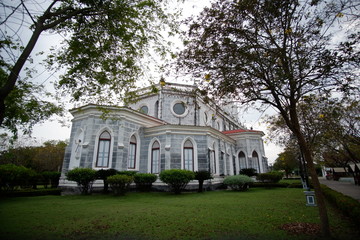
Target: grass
(256, 214)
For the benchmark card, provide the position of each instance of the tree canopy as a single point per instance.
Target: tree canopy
(105, 42)
(47, 157)
(277, 53)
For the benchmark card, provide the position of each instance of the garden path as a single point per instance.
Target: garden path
(346, 188)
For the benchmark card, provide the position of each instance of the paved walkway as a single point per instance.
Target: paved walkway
(346, 188)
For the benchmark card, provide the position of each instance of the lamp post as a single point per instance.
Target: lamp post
(309, 195)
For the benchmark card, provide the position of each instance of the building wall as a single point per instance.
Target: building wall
(202, 125)
(198, 113)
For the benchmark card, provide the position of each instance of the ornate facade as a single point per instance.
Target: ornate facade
(169, 127)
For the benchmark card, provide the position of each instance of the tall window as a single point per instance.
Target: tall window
(213, 160)
(157, 109)
(242, 160)
(132, 153)
(234, 164)
(255, 158)
(188, 156)
(103, 150)
(155, 157)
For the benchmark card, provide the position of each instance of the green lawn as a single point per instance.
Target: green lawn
(256, 214)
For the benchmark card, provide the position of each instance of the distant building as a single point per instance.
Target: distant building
(169, 127)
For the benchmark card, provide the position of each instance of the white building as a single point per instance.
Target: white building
(169, 127)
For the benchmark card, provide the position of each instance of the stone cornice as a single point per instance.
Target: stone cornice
(186, 130)
(115, 113)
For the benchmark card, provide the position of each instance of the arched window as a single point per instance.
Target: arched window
(103, 154)
(205, 119)
(188, 156)
(255, 158)
(132, 153)
(144, 109)
(213, 160)
(155, 157)
(242, 160)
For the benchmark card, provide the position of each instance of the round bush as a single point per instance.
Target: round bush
(270, 177)
(84, 177)
(120, 183)
(238, 182)
(144, 181)
(177, 179)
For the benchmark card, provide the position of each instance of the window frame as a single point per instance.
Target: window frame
(185, 106)
(192, 155)
(100, 141)
(153, 149)
(132, 143)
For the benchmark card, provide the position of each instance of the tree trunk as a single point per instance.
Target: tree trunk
(201, 183)
(324, 220)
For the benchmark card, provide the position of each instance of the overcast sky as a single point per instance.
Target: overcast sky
(56, 129)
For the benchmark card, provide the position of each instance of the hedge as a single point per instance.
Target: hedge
(349, 206)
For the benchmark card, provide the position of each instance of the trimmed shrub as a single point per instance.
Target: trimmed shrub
(177, 179)
(201, 176)
(127, 173)
(103, 174)
(12, 177)
(347, 205)
(144, 181)
(84, 177)
(238, 182)
(31, 179)
(51, 177)
(270, 177)
(120, 183)
(248, 172)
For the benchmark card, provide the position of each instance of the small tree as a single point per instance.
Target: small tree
(238, 182)
(103, 174)
(50, 177)
(177, 179)
(144, 181)
(84, 177)
(201, 176)
(120, 183)
(248, 172)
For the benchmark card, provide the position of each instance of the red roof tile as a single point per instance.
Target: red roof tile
(241, 131)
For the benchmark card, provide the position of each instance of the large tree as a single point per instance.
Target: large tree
(275, 53)
(331, 128)
(104, 44)
(288, 160)
(47, 157)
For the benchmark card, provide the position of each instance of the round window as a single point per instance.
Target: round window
(179, 108)
(144, 109)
